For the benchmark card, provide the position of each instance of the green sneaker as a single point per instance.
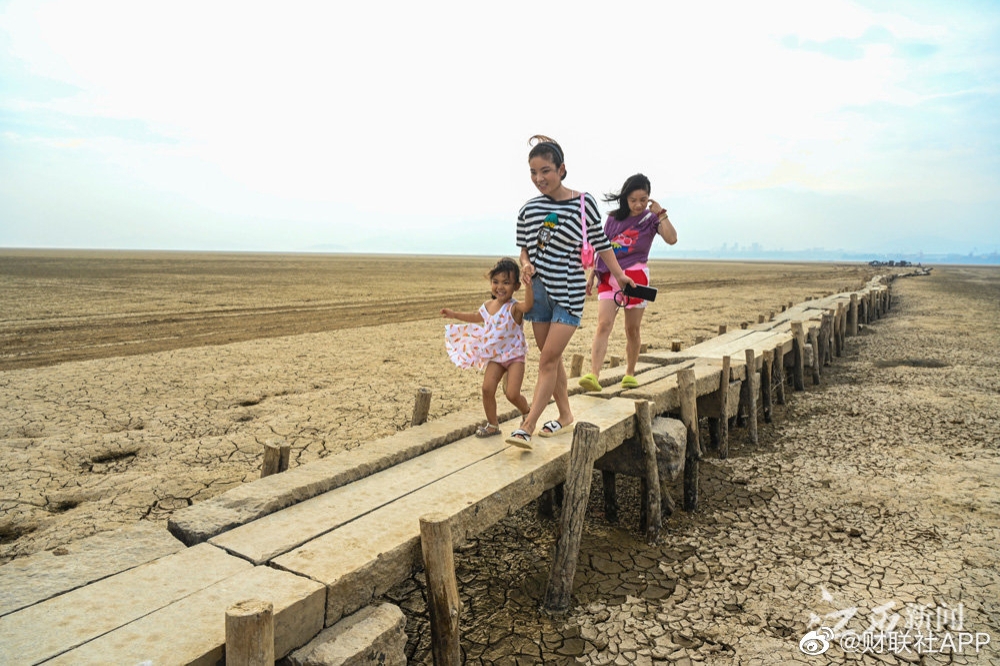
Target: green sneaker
(589, 382)
(628, 381)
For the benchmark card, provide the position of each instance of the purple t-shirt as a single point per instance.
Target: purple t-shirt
(631, 239)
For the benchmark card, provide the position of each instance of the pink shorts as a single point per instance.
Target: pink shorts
(506, 364)
(608, 286)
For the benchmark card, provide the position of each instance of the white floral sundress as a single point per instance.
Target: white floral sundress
(499, 339)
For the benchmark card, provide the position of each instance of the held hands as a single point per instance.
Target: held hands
(527, 272)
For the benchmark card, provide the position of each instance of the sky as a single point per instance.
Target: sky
(869, 126)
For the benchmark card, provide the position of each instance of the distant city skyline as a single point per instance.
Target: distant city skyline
(866, 125)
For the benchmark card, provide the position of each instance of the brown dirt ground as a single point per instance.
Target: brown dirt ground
(132, 384)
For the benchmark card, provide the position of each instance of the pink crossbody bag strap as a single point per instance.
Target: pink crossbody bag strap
(587, 253)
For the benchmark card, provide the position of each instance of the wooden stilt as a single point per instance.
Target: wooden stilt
(852, 316)
(766, 365)
(651, 494)
(421, 406)
(799, 356)
(276, 456)
(838, 328)
(817, 353)
(608, 480)
(443, 603)
(675, 345)
(614, 361)
(751, 396)
(698, 339)
(689, 415)
(826, 338)
(576, 367)
(578, 477)
(723, 328)
(779, 375)
(723, 423)
(250, 633)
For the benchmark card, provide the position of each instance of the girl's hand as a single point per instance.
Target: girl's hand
(624, 280)
(527, 272)
(591, 282)
(445, 312)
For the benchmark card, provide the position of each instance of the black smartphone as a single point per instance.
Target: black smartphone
(640, 291)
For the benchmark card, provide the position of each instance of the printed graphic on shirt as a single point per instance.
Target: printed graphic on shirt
(548, 228)
(623, 242)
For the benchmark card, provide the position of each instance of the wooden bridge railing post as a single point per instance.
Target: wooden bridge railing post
(689, 416)
(250, 633)
(651, 498)
(421, 406)
(443, 603)
(578, 477)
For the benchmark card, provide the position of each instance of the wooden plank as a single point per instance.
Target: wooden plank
(192, 630)
(54, 626)
(369, 555)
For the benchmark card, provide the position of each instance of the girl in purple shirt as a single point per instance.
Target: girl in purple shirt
(631, 228)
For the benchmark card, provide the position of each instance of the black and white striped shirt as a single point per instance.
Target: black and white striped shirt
(552, 233)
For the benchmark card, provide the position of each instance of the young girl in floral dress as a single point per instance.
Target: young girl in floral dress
(494, 341)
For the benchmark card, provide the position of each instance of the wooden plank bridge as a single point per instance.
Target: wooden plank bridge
(321, 541)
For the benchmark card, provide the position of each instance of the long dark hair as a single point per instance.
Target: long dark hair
(543, 145)
(632, 183)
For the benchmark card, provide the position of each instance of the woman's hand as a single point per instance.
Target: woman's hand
(624, 280)
(656, 208)
(527, 272)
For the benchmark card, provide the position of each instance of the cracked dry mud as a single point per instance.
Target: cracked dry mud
(877, 485)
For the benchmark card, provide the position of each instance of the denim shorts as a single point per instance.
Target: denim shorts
(545, 310)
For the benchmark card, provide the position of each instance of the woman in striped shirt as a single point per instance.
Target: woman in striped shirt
(550, 235)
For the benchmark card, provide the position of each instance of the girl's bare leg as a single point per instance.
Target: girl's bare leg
(606, 313)
(515, 376)
(491, 379)
(551, 340)
(633, 337)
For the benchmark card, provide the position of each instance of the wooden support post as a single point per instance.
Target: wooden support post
(761, 319)
(276, 456)
(826, 338)
(723, 426)
(689, 415)
(779, 374)
(651, 496)
(608, 480)
(443, 602)
(817, 353)
(643, 348)
(852, 316)
(723, 328)
(698, 339)
(250, 633)
(549, 501)
(577, 365)
(838, 331)
(751, 396)
(578, 477)
(798, 356)
(421, 406)
(744, 324)
(614, 361)
(770, 315)
(766, 365)
(675, 345)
